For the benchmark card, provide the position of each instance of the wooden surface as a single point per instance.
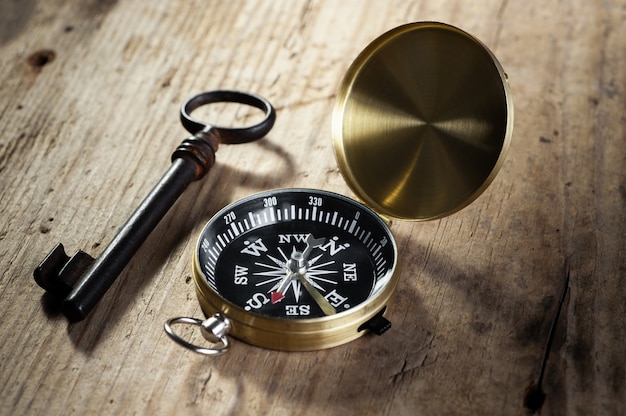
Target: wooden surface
(89, 99)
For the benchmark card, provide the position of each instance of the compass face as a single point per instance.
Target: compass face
(296, 254)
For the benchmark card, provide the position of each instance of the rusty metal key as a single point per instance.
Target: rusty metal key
(81, 280)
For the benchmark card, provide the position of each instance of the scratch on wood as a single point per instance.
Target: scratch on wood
(96, 8)
(304, 103)
(501, 21)
(534, 396)
(298, 31)
(304, 16)
(426, 360)
(202, 387)
(406, 370)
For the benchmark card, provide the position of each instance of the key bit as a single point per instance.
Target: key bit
(81, 281)
(58, 272)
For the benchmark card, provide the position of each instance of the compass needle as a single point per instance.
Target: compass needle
(321, 301)
(277, 297)
(279, 290)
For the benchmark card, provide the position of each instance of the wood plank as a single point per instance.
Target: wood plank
(89, 101)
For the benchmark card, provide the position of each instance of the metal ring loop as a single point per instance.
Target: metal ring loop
(196, 322)
(229, 135)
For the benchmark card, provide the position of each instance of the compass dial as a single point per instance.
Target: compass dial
(296, 269)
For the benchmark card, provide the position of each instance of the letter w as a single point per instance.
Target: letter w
(255, 248)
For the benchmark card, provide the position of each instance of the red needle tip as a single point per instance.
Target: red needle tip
(277, 297)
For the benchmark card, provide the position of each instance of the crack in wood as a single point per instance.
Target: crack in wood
(304, 103)
(426, 360)
(534, 396)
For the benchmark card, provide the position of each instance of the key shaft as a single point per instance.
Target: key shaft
(105, 269)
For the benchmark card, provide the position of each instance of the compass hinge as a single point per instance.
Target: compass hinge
(377, 324)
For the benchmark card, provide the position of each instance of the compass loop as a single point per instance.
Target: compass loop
(214, 330)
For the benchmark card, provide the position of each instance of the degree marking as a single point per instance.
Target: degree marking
(251, 219)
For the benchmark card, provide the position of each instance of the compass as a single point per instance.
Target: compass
(421, 125)
(296, 269)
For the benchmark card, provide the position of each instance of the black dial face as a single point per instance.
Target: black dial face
(296, 253)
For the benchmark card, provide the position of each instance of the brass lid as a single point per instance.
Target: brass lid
(422, 121)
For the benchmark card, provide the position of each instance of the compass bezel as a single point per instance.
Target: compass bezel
(302, 334)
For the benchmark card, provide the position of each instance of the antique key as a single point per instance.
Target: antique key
(81, 280)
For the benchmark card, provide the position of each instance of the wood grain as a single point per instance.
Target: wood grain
(89, 99)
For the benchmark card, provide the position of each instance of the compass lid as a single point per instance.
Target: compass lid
(422, 121)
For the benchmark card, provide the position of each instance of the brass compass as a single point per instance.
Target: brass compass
(421, 125)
